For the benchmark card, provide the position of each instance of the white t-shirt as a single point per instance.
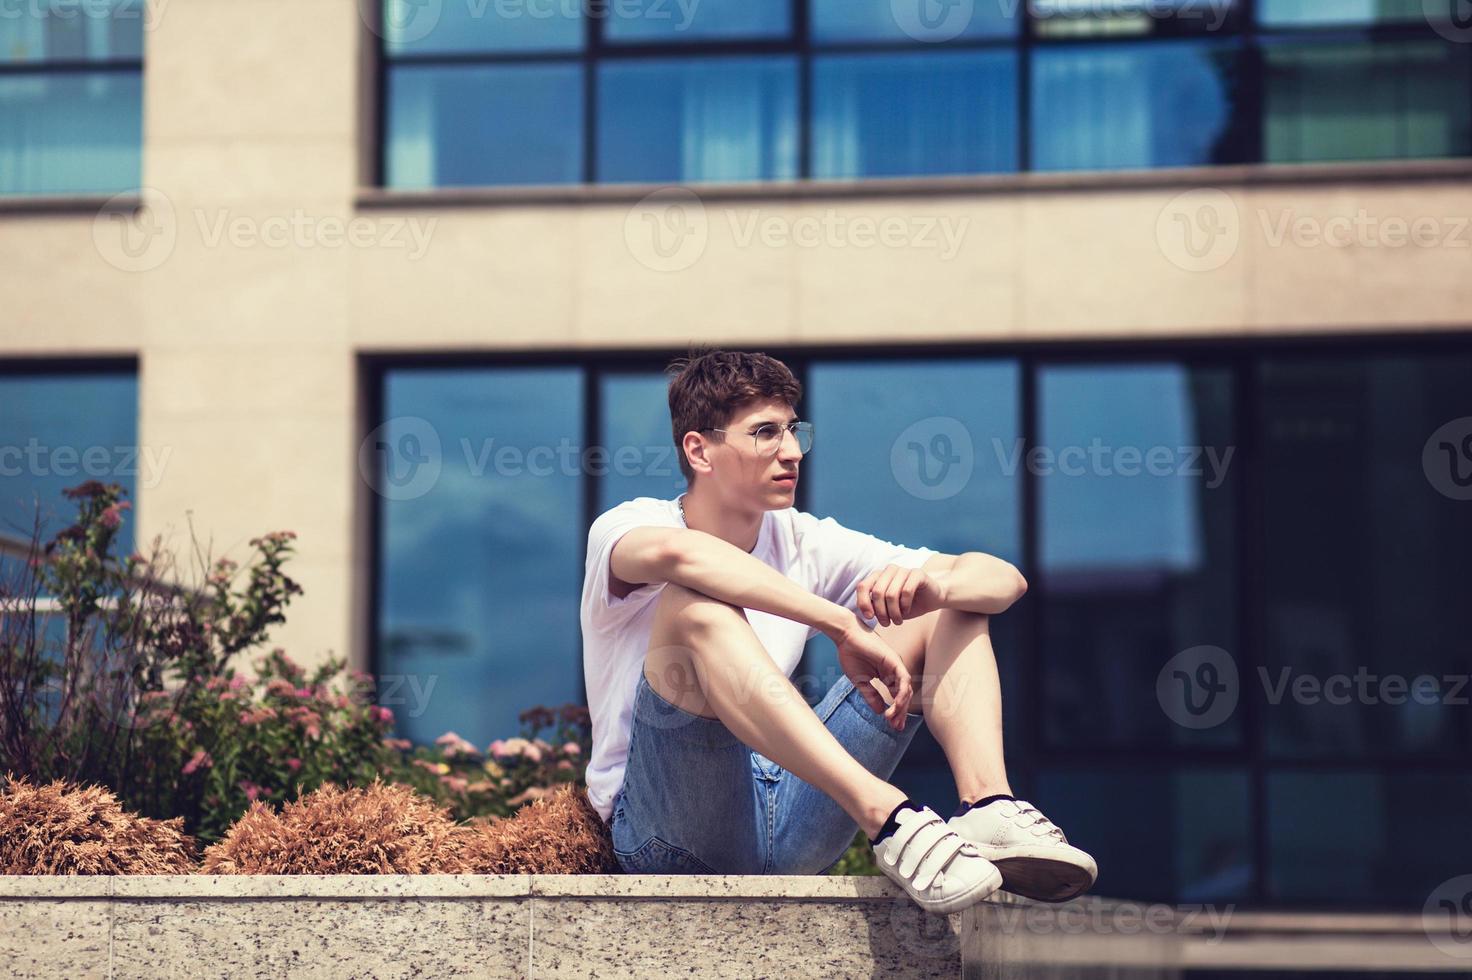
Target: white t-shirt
(821, 555)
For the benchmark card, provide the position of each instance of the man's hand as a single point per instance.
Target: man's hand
(863, 657)
(894, 594)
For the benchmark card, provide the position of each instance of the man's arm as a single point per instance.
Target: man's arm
(976, 582)
(719, 569)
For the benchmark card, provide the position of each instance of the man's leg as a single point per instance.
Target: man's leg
(960, 693)
(705, 658)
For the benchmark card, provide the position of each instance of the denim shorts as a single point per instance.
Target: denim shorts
(695, 800)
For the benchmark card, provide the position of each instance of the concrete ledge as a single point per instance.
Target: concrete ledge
(651, 927)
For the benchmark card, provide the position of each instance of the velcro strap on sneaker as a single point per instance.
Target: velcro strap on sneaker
(925, 837)
(936, 860)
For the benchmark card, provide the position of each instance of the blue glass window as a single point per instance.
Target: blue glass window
(1160, 104)
(638, 441)
(482, 553)
(1334, 13)
(930, 21)
(707, 119)
(1194, 822)
(71, 107)
(60, 429)
(949, 112)
(487, 124)
(916, 452)
(1137, 537)
(1366, 101)
(673, 21)
(491, 26)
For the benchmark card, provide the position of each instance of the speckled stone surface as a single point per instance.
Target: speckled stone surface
(46, 937)
(391, 926)
(655, 939)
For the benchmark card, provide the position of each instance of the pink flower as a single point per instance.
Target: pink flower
(454, 784)
(200, 759)
(455, 745)
(402, 744)
(564, 764)
(252, 791)
(314, 733)
(498, 747)
(381, 714)
(293, 764)
(572, 748)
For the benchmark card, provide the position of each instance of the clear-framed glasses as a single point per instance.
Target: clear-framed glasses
(768, 436)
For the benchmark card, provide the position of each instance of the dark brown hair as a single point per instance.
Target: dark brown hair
(708, 386)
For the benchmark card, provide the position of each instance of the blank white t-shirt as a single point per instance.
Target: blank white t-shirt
(820, 555)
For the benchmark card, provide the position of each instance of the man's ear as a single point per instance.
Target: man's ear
(694, 446)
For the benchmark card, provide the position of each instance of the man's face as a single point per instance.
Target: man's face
(745, 474)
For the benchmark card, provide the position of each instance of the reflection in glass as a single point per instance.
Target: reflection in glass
(74, 133)
(916, 452)
(1318, 13)
(1161, 104)
(1365, 837)
(635, 431)
(480, 573)
(1359, 513)
(1139, 541)
(1366, 101)
(491, 26)
(670, 22)
(923, 113)
(1182, 835)
(705, 119)
(62, 430)
(97, 30)
(1130, 18)
(912, 20)
(490, 124)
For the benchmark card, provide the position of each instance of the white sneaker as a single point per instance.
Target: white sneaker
(1032, 853)
(935, 866)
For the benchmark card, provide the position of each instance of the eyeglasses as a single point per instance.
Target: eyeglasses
(768, 437)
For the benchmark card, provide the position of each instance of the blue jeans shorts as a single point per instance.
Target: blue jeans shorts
(695, 800)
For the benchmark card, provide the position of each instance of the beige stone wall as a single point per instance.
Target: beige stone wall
(269, 272)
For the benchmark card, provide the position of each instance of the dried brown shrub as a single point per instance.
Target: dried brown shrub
(382, 828)
(63, 829)
(559, 833)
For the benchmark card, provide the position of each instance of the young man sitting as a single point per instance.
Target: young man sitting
(695, 612)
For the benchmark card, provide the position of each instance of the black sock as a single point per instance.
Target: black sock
(965, 806)
(891, 825)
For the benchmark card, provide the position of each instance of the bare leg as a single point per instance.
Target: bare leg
(960, 693)
(704, 658)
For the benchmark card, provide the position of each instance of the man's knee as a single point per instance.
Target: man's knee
(683, 611)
